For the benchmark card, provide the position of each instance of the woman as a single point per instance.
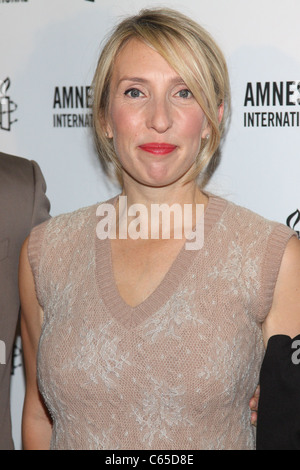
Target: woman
(144, 344)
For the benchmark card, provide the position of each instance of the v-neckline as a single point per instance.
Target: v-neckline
(130, 316)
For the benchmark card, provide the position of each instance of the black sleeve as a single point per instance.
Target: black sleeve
(278, 419)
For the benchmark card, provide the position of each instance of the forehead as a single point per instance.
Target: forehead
(137, 58)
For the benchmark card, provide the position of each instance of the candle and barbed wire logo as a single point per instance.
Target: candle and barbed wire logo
(293, 221)
(7, 106)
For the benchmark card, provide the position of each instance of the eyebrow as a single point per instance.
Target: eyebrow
(174, 81)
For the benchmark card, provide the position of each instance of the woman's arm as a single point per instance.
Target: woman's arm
(36, 424)
(278, 418)
(284, 316)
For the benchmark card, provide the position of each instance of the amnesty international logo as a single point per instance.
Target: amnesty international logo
(72, 106)
(272, 104)
(7, 106)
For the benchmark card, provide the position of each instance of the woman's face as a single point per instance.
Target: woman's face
(154, 121)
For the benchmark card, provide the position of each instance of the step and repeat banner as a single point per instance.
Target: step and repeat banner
(49, 50)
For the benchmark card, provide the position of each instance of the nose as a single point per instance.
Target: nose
(160, 115)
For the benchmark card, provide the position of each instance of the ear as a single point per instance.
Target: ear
(206, 131)
(105, 124)
(221, 112)
(109, 133)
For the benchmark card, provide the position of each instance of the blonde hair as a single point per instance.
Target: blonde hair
(190, 51)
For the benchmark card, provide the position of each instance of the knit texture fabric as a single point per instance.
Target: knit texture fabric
(176, 371)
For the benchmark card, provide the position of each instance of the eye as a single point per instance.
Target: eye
(185, 93)
(133, 93)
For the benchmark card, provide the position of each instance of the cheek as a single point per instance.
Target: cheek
(192, 130)
(124, 123)
(195, 124)
(125, 131)
(191, 120)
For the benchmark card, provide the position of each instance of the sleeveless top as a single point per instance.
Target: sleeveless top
(178, 370)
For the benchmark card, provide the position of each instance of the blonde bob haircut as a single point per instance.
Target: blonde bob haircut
(190, 51)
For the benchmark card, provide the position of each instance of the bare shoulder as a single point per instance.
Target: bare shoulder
(291, 255)
(284, 316)
(288, 282)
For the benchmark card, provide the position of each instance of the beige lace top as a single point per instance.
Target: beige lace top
(178, 370)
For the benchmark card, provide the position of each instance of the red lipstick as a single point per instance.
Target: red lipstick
(158, 148)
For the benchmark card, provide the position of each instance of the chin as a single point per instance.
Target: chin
(157, 178)
(160, 182)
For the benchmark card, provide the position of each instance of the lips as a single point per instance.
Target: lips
(158, 148)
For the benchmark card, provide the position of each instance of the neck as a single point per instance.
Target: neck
(176, 193)
(180, 194)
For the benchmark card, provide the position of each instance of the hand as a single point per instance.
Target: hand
(253, 404)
